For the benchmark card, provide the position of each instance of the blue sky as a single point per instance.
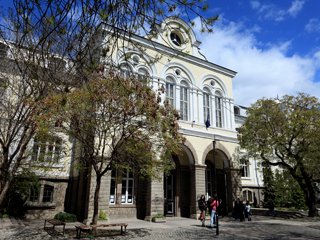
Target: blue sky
(274, 45)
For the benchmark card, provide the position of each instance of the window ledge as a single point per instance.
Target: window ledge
(124, 205)
(246, 178)
(40, 205)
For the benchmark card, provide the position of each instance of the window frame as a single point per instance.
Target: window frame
(206, 105)
(125, 181)
(48, 149)
(184, 101)
(245, 168)
(218, 109)
(170, 91)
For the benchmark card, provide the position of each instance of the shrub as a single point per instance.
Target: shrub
(103, 215)
(66, 217)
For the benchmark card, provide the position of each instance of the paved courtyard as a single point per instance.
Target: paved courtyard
(174, 228)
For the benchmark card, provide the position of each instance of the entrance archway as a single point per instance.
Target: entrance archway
(218, 178)
(178, 185)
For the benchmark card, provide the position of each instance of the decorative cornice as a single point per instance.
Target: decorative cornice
(212, 136)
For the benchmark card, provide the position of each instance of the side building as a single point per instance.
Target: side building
(250, 168)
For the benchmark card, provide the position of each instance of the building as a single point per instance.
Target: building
(251, 169)
(202, 93)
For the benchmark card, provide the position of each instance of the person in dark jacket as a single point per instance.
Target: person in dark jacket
(238, 210)
(202, 206)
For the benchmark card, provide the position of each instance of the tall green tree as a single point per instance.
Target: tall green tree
(121, 124)
(284, 132)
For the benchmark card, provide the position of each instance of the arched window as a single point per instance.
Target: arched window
(125, 70)
(143, 74)
(170, 91)
(206, 107)
(247, 195)
(184, 101)
(218, 105)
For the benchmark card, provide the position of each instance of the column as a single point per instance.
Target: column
(199, 186)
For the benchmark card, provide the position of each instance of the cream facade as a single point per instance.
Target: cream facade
(202, 93)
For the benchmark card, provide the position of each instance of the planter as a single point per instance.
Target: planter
(158, 220)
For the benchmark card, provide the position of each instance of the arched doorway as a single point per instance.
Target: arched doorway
(178, 186)
(218, 178)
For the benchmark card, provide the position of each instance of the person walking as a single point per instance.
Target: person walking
(247, 211)
(202, 206)
(214, 205)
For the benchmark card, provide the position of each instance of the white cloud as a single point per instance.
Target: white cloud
(313, 25)
(262, 72)
(295, 7)
(273, 12)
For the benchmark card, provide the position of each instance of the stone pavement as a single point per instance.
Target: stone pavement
(174, 228)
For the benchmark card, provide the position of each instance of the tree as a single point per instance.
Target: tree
(269, 189)
(120, 124)
(284, 132)
(51, 48)
(287, 191)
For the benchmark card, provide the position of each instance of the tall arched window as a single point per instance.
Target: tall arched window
(206, 107)
(218, 105)
(170, 91)
(184, 101)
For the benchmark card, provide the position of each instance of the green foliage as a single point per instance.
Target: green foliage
(287, 192)
(19, 192)
(268, 191)
(284, 132)
(103, 215)
(158, 215)
(66, 217)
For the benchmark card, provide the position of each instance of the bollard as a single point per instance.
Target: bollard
(217, 224)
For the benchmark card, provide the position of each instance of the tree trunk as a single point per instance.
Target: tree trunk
(312, 203)
(96, 200)
(3, 193)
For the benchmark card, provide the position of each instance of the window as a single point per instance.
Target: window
(126, 183)
(47, 149)
(209, 181)
(236, 110)
(206, 107)
(34, 194)
(244, 164)
(127, 187)
(247, 195)
(170, 91)
(42, 194)
(143, 74)
(218, 105)
(47, 194)
(112, 197)
(175, 39)
(184, 101)
(125, 70)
